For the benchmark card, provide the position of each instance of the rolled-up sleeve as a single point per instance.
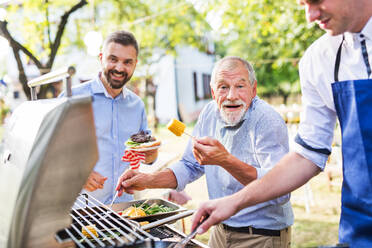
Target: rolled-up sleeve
(315, 134)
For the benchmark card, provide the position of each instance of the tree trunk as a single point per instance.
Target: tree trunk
(17, 48)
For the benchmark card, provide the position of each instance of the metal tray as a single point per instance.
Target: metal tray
(124, 205)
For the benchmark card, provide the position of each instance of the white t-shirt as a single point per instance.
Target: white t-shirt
(316, 76)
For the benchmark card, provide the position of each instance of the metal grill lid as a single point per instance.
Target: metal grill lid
(49, 150)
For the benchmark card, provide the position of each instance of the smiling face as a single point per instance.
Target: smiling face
(338, 16)
(118, 64)
(233, 91)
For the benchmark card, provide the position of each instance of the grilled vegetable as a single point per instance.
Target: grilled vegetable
(91, 228)
(144, 209)
(155, 208)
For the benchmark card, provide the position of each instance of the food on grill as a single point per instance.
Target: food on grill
(176, 127)
(144, 209)
(142, 140)
(142, 223)
(91, 228)
(133, 212)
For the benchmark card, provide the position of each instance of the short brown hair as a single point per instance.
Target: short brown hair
(122, 37)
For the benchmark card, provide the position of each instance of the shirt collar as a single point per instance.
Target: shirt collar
(367, 30)
(98, 88)
(350, 38)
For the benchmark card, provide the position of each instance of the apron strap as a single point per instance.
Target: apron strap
(338, 60)
(365, 54)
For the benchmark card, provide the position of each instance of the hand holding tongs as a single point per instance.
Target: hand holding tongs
(187, 239)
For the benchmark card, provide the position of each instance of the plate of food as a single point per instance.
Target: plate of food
(147, 210)
(142, 141)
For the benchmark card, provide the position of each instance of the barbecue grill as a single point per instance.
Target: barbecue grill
(48, 151)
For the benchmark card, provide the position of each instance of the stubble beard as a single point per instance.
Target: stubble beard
(116, 84)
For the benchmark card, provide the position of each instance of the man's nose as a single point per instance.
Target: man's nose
(233, 94)
(312, 12)
(120, 67)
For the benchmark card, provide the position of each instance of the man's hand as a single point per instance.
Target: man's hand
(208, 151)
(180, 198)
(95, 181)
(215, 211)
(132, 180)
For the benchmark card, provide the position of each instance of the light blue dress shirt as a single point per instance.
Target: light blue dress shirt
(116, 119)
(260, 140)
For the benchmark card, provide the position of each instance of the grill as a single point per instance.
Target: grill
(48, 151)
(113, 230)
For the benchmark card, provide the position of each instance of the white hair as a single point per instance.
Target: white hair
(247, 65)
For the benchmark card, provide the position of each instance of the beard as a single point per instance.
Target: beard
(233, 118)
(117, 84)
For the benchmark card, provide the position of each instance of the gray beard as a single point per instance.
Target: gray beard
(232, 119)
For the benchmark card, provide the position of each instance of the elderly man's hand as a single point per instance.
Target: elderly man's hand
(130, 181)
(209, 151)
(215, 211)
(95, 181)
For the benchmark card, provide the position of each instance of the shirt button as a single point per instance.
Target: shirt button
(361, 36)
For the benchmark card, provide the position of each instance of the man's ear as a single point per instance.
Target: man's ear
(255, 88)
(212, 91)
(100, 56)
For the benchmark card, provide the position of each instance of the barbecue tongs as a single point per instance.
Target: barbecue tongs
(187, 239)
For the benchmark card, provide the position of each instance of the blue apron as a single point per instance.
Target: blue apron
(353, 101)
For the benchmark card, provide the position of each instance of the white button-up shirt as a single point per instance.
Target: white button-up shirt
(317, 75)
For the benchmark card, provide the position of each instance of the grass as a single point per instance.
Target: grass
(319, 226)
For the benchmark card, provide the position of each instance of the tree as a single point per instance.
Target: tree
(271, 34)
(159, 25)
(41, 30)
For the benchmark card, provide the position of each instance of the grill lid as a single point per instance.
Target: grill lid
(50, 149)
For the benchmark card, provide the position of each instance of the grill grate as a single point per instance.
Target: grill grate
(161, 232)
(111, 228)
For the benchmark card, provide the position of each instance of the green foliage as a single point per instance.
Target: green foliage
(157, 24)
(271, 34)
(160, 24)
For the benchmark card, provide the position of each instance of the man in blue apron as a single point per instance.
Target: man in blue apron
(335, 74)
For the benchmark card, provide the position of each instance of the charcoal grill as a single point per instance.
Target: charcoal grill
(48, 151)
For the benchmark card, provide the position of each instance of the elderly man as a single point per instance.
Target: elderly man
(249, 137)
(335, 75)
(118, 113)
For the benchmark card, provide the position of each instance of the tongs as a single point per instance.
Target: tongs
(187, 239)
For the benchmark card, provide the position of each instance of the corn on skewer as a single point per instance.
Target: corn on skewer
(177, 127)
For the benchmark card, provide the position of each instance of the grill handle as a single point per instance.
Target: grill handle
(168, 219)
(64, 74)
